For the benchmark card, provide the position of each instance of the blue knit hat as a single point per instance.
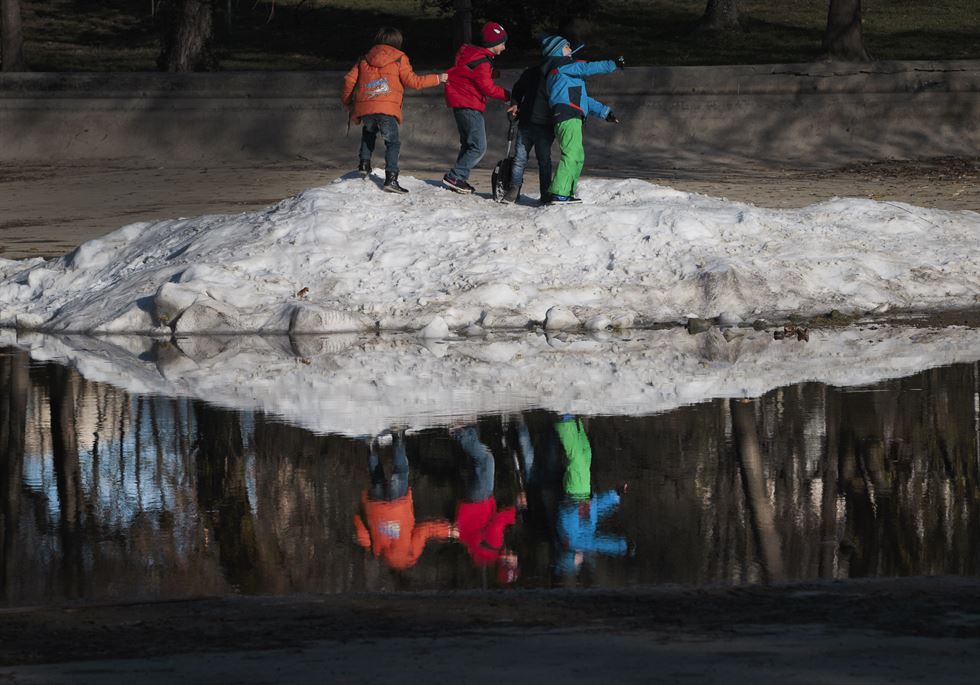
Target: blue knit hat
(551, 46)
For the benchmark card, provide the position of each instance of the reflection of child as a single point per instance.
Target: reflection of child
(581, 512)
(481, 526)
(385, 522)
(578, 522)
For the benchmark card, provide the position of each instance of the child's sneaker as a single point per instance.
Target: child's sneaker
(565, 199)
(364, 168)
(512, 195)
(456, 185)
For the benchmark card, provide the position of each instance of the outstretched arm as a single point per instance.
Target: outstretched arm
(587, 69)
(410, 79)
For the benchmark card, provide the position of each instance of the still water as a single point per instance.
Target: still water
(110, 495)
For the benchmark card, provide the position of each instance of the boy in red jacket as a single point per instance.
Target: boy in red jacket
(470, 84)
(480, 525)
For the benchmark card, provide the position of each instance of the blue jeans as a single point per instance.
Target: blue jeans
(387, 126)
(384, 488)
(479, 473)
(472, 142)
(540, 137)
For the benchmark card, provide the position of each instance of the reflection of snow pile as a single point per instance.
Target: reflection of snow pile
(356, 385)
(347, 257)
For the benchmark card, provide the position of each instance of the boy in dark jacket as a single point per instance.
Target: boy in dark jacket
(570, 105)
(534, 131)
(470, 84)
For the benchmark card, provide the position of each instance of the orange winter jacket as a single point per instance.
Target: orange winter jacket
(377, 83)
(389, 530)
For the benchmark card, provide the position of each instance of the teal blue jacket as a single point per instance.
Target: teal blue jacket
(567, 94)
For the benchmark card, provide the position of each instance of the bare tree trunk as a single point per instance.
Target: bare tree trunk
(463, 31)
(11, 36)
(14, 388)
(753, 479)
(186, 43)
(720, 15)
(62, 386)
(844, 39)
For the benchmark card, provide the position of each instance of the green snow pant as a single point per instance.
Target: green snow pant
(569, 135)
(578, 458)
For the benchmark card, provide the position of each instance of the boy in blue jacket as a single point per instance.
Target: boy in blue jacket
(570, 105)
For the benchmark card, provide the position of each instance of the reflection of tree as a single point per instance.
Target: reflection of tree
(828, 496)
(763, 516)
(223, 497)
(14, 385)
(880, 480)
(62, 389)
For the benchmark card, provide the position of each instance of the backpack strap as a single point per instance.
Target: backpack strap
(477, 62)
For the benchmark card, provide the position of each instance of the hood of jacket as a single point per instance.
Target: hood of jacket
(382, 55)
(468, 53)
(552, 63)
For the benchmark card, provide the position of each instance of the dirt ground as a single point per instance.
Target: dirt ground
(47, 210)
(900, 630)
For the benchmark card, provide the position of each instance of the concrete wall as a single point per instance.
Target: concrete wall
(813, 113)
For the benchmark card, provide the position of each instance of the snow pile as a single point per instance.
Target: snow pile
(347, 257)
(359, 385)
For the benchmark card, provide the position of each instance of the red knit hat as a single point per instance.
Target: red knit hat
(492, 34)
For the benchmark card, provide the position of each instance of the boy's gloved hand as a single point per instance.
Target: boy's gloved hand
(621, 62)
(611, 118)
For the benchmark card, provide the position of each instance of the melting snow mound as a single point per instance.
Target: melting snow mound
(348, 257)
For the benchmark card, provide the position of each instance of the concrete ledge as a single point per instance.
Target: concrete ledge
(776, 114)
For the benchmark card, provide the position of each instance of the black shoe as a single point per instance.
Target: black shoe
(391, 183)
(364, 168)
(512, 195)
(456, 185)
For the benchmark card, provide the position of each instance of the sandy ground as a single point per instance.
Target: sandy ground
(897, 631)
(47, 210)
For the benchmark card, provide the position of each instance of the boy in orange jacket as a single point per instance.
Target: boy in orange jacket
(385, 518)
(373, 92)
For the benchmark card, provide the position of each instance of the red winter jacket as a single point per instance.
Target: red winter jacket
(481, 529)
(471, 79)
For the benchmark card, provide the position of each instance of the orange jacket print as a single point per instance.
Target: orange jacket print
(390, 531)
(377, 83)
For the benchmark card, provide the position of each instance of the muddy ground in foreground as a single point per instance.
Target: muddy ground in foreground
(47, 210)
(898, 630)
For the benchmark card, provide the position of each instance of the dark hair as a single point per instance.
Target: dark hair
(388, 35)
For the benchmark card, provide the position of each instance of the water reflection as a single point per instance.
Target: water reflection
(108, 495)
(385, 522)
